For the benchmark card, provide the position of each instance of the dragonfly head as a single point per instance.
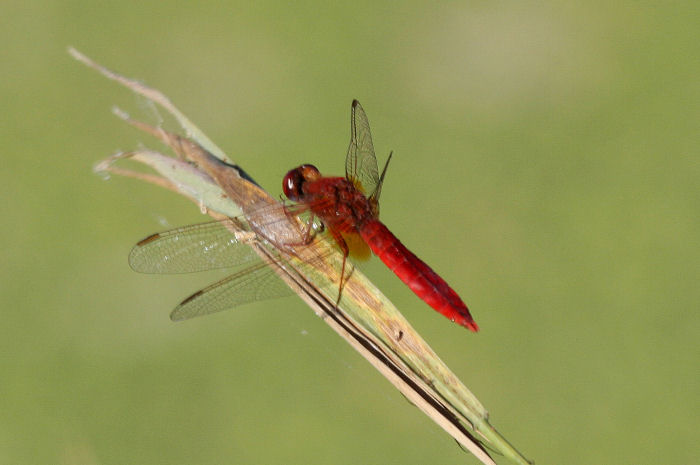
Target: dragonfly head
(294, 180)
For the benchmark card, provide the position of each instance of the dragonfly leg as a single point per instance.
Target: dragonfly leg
(307, 232)
(338, 237)
(343, 280)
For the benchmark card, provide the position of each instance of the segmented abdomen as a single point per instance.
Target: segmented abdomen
(418, 276)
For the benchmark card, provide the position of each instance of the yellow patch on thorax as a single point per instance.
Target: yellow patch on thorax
(359, 250)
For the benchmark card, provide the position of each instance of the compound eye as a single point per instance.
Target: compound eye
(309, 172)
(291, 184)
(294, 180)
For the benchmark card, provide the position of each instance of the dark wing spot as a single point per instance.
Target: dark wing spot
(150, 238)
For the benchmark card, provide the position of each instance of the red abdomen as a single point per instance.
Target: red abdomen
(422, 280)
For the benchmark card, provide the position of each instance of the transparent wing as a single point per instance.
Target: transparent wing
(257, 283)
(198, 247)
(360, 162)
(209, 246)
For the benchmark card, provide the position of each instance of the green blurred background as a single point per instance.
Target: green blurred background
(546, 164)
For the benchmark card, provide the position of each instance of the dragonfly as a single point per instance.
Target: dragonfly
(348, 209)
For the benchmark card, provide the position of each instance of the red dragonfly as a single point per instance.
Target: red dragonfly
(347, 206)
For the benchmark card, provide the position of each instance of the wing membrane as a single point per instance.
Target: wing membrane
(360, 162)
(250, 285)
(198, 247)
